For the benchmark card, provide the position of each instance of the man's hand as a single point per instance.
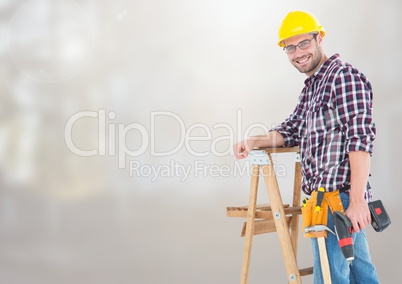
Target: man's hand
(359, 214)
(242, 148)
(358, 211)
(271, 139)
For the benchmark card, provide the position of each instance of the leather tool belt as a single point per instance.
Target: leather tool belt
(311, 216)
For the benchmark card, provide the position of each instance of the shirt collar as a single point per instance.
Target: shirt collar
(323, 69)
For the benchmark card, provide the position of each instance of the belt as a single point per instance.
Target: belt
(347, 187)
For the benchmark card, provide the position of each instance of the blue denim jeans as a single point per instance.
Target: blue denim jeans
(362, 271)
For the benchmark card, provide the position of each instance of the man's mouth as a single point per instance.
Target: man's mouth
(302, 60)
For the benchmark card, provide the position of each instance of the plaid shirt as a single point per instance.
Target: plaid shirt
(333, 117)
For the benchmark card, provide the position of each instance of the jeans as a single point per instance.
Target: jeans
(362, 271)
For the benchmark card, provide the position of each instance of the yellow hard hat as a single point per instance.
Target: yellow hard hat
(297, 23)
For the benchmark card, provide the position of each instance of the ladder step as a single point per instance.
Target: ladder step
(306, 271)
(264, 207)
(260, 214)
(263, 226)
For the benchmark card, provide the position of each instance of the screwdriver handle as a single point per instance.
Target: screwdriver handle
(304, 202)
(320, 197)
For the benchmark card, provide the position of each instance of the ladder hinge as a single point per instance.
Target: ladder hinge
(260, 157)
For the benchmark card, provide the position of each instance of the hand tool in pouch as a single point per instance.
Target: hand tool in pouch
(326, 273)
(320, 197)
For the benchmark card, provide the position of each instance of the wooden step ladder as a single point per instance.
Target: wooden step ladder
(273, 217)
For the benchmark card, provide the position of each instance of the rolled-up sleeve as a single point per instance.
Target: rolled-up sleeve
(290, 129)
(355, 113)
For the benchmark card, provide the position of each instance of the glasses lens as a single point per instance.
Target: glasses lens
(304, 44)
(290, 49)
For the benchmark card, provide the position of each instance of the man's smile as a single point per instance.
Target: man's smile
(302, 60)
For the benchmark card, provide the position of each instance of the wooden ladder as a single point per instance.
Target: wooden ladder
(273, 217)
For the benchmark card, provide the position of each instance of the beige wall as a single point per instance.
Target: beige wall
(166, 69)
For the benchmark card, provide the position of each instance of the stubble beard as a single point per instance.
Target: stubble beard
(315, 60)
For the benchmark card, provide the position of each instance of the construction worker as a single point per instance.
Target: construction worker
(333, 126)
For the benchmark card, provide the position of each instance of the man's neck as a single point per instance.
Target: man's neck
(324, 58)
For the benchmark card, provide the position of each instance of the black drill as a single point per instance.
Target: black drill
(343, 230)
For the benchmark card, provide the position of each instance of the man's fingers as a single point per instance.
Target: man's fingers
(243, 154)
(239, 151)
(359, 216)
(356, 227)
(239, 156)
(242, 149)
(359, 225)
(368, 219)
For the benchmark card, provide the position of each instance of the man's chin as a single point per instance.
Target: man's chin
(303, 70)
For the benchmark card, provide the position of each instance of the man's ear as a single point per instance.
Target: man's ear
(319, 39)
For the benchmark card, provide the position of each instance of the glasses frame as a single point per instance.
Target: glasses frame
(293, 48)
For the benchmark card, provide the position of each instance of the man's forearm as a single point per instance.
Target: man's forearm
(271, 139)
(360, 170)
(358, 211)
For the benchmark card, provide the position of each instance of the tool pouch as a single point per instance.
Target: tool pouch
(311, 217)
(379, 216)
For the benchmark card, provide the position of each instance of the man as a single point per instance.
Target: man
(332, 124)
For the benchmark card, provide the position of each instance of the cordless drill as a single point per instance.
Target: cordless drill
(343, 231)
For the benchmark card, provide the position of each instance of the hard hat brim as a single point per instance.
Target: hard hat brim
(282, 44)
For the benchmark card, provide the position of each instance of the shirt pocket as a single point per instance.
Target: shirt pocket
(321, 117)
(321, 120)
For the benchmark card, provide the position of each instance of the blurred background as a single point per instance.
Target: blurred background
(117, 120)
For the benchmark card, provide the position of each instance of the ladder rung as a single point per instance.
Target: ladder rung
(282, 150)
(260, 214)
(264, 207)
(306, 271)
(263, 226)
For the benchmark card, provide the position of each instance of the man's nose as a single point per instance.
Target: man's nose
(298, 52)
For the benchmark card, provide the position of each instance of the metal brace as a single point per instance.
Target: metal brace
(297, 158)
(260, 157)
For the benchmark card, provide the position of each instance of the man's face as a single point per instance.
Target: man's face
(306, 60)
